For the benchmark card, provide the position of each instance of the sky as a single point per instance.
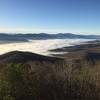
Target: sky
(50, 16)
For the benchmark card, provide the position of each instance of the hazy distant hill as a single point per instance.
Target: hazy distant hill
(43, 36)
(11, 38)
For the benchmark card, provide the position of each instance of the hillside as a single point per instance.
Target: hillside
(29, 76)
(24, 57)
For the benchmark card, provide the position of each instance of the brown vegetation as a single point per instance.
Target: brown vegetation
(46, 81)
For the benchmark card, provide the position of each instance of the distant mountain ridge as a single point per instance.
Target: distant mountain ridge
(43, 36)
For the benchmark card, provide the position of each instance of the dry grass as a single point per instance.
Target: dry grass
(46, 81)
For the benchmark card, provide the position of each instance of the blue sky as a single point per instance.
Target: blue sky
(52, 16)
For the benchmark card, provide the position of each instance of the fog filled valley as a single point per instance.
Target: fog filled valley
(40, 46)
(41, 43)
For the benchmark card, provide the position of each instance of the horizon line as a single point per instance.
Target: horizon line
(48, 33)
